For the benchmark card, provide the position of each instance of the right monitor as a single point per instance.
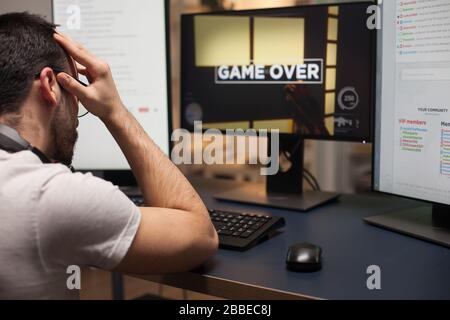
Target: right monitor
(412, 132)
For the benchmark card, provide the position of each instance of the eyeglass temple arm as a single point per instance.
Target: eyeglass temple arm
(58, 70)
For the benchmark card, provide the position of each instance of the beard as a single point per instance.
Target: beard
(64, 132)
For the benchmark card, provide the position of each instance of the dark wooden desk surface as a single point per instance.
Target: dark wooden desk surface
(410, 268)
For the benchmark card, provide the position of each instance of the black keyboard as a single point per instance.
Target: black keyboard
(241, 231)
(237, 230)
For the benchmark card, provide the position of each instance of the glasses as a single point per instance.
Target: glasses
(81, 110)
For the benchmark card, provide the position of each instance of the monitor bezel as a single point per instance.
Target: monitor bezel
(363, 140)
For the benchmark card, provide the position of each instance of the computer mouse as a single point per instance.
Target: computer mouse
(304, 257)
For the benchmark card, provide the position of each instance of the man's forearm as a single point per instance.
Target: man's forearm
(162, 184)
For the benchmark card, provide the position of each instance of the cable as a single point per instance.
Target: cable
(307, 175)
(311, 176)
(307, 179)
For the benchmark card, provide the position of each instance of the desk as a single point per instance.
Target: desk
(410, 268)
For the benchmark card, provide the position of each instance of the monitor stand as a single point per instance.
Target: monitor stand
(430, 223)
(285, 189)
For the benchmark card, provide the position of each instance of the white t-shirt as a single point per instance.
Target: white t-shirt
(51, 219)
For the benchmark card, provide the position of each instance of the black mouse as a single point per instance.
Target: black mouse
(304, 257)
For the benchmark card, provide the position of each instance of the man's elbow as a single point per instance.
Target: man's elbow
(213, 245)
(206, 241)
(210, 240)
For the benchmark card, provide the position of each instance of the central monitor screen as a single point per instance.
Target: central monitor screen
(303, 70)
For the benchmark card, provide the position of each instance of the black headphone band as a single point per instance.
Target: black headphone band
(11, 141)
(40, 155)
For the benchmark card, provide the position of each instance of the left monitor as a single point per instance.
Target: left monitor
(132, 37)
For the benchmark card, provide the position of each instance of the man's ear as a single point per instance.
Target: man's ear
(49, 87)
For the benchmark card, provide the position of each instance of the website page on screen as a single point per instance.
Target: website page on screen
(413, 129)
(132, 39)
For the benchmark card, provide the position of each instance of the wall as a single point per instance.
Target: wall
(41, 7)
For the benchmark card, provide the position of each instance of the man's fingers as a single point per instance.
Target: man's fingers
(71, 85)
(65, 36)
(81, 69)
(79, 66)
(79, 53)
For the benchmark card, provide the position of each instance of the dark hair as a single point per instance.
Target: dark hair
(26, 47)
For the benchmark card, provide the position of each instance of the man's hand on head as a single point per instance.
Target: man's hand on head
(176, 211)
(101, 97)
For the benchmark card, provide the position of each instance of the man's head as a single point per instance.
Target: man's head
(30, 98)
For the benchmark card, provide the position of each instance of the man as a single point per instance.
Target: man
(52, 218)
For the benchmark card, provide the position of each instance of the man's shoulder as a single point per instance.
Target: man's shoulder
(53, 185)
(44, 175)
(55, 179)
(26, 164)
(21, 174)
(60, 178)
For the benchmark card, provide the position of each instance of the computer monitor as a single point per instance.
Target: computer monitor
(133, 38)
(305, 70)
(412, 132)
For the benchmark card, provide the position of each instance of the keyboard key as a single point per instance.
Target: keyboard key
(224, 232)
(236, 234)
(247, 234)
(256, 226)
